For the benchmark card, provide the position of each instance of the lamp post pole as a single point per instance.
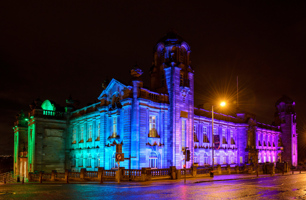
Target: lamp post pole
(212, 136)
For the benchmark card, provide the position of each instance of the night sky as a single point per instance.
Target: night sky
(50, 50)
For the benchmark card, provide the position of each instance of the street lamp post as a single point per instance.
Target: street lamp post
(212, 133)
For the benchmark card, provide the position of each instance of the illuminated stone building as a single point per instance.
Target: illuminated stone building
(153, 125)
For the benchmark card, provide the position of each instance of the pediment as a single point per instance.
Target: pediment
(114, 87)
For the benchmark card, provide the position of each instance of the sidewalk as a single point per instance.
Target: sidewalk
(190, 180)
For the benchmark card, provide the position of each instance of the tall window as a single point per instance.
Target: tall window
(114, 127)
(232, 138)
(74, 136)
(195, 158)
(88, 165)
(153, 160)
(205, 137)
(152, 126)
(90, 133)
(195, 136)
(82, 134)
(98, 132)
(73, 163)
(259, 158)
(205, 159)
(232, 160)
(81, 161)
(183, 134)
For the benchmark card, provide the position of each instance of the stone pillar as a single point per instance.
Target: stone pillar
(178, 174)
(40, 176)
(100, 173)
(143, 174)
(82, 175)
(117, 176)
(219, 169)
(228, 169)
(121, 173)
(30, 176)
(272, 169)
(173, 172)
(67, 175)
(194, 171)
(53, 175)
(237, 169)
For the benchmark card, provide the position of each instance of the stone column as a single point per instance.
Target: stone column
(173, 172)
(30, 176)
(100, 173)
(219, 169)
(40, 176)
(82, 175)
(228, 169)
(178, 174)
(53, 175)
(67, 175)
(194, 171)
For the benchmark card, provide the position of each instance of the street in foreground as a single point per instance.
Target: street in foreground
(275, 187)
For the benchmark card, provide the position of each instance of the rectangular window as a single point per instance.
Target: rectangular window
(205, 137)
(80, 162)
(205, 160)
(195, 136)
(82, 134)
(98, 136)
(241, 160)
(88, 162)
(183, 134)
(114, 126)
(152, 126)
(89, 133)
(74, 136)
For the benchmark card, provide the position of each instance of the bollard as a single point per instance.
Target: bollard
(292, 172)
(4, 180)
(283, 172)
(300, 171)
(22, 180)
(257, 172)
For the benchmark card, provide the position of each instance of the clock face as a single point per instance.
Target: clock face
(119, 157)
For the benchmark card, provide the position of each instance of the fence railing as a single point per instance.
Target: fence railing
(90, 174)
(74, 174)
(60, 175)
(160, 172)
(131, 173)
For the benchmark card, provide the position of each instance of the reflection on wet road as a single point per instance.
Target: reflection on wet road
(278, 187)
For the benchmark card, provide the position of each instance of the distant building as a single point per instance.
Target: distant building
(153, 125)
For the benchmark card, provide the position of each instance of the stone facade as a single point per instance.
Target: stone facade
(154, 126)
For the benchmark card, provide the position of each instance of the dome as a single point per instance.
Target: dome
(284, 99)
(171, 38)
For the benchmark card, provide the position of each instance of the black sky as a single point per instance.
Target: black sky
(52, 49)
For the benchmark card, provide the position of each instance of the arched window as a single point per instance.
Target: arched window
(153, 160)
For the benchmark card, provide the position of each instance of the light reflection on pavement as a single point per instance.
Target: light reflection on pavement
(277, 187)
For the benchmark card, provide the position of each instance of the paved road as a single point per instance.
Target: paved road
(277, 187)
